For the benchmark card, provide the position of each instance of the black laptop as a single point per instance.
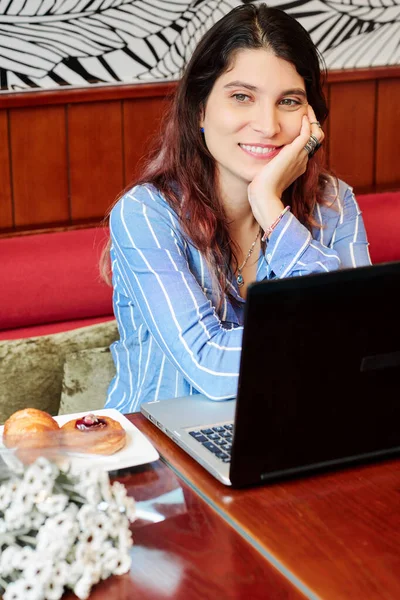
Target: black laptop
(319, 383)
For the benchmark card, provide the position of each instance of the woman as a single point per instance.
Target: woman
(232, 194)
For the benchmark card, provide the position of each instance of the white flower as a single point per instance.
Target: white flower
(102, 554)
(92, 494)
(74, 571)
(124, 538)
(7, 559)
(55, 546)
(102, 526)
(123, 500)
(39, 569)
(53, 591)
(82, 535)
(37, 520)
(39, 484)
(108, 557)
(119, 492)
(99, 524)
(58, 533)
(64, 521)
(94, 485)
(90, 577)
(24, 499)
(93, 523)
(16, 518)
(60, 572)
(85, 516)
(23, 590)
(7, 491)
(106, 488)
(42, 468)
(82, 587)
(123, 564)
(116, 518)
(21, 559)
(92, 543)
(89, 481)
(114, 561)
(19, 522)
(38, 481)
(53, 504)
(86, 553)
(130, 508)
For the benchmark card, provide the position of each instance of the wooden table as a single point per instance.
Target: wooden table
(331, 537)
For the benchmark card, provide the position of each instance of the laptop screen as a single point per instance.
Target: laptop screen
(320, 371)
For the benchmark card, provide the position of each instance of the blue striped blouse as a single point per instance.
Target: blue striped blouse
(172, 340)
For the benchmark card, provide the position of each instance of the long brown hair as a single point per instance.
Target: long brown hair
(180, 165)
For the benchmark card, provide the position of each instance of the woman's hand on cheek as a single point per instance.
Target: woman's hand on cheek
(266, 189)
(295, 154)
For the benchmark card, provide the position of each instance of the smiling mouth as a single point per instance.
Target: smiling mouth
(263, 151)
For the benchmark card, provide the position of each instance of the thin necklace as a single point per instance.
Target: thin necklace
(239, 278)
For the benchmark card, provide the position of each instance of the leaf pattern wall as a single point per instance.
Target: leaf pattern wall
(45, 44)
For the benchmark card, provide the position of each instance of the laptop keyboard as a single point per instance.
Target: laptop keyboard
(217, 439)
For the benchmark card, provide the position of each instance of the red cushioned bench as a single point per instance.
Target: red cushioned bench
(51, 283)
(381, 214)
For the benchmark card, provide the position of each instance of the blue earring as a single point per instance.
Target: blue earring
(202, 129)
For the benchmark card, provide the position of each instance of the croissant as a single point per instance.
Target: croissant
(31, 428)
(97, 434)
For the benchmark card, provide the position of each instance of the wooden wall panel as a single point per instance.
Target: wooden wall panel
(39, 165)
(388, 134)
(142, 119)
(6, 209)
(65, 155)
(95, 156)
(351, 143)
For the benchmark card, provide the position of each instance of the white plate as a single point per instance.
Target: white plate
(137, 451)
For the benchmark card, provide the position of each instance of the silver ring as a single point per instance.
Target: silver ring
(311, 144)
(316, 123)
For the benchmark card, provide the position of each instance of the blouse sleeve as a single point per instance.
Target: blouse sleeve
(342, 242)
(151, 256)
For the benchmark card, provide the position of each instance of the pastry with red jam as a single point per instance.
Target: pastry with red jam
(96, 434)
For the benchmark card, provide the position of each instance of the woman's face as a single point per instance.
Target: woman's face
(254, 109)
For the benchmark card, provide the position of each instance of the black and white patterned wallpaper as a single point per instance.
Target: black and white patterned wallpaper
(46, 44)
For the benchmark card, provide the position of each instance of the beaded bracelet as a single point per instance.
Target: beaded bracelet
(270, 229)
